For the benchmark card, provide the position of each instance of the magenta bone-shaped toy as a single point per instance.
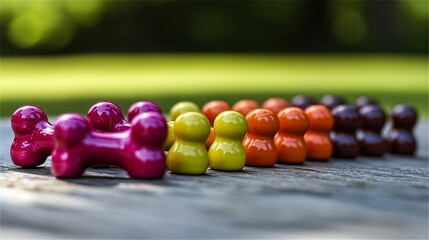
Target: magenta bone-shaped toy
(108, 117)
(34, 137)
(34, 140)
(138, 150)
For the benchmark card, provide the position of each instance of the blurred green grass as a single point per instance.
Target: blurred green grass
(73, 83)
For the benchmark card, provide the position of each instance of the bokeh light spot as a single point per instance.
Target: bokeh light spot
(418, 8)
(27, 30)
(41, 27)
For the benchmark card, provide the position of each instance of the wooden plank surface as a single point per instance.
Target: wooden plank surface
(363, 198)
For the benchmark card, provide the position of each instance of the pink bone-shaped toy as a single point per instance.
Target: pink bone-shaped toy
(108, 117)
(34, 140)
(138, 150)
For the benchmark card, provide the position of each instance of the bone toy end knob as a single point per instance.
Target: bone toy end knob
(33, 141)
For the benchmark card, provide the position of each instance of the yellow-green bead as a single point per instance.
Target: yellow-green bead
(170, 136)
(188, 154)
(183, 107)
(227, 152)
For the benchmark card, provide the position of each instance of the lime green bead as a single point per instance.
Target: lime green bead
(227, 152)
(188, 155)
(183, 107)
(170, 136)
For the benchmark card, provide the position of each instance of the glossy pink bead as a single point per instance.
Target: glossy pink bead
(108, 117)
(142, 107)
(34, 140)
(138, 150)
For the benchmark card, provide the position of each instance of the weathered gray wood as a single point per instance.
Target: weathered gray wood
(362, 198)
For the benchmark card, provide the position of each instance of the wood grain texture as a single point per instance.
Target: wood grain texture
(363, 198)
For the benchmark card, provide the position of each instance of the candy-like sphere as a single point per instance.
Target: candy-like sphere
(245, 106)
(275, 104)
(183, 107)
(213, 108)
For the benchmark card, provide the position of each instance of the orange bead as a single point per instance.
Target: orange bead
(210, 139)
(245, 106)
(213, 108)
(258, 143)
(319, 146)
(275, 104)
(289, 140)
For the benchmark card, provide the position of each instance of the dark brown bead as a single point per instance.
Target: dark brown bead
(372, 117)
(331, 101)
(368, 136)
(346, 121)
(302, 101)
(401, 139)
(404, 116)
(363, 101)
(346, 118)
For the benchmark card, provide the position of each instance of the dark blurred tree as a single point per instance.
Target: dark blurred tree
(69, 26)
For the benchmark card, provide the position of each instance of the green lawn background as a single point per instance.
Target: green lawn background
(73, 83)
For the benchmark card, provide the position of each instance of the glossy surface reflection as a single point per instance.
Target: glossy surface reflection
(227, 152)
(211, 110)
(108, 117)
(142, 107)
(258, 143)
(319, 146)
(346, 122)
(188, 155)
(170, 136)
(369, 134)
(401, 138)
(289, 141)
(34, 139)
(138, 150)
